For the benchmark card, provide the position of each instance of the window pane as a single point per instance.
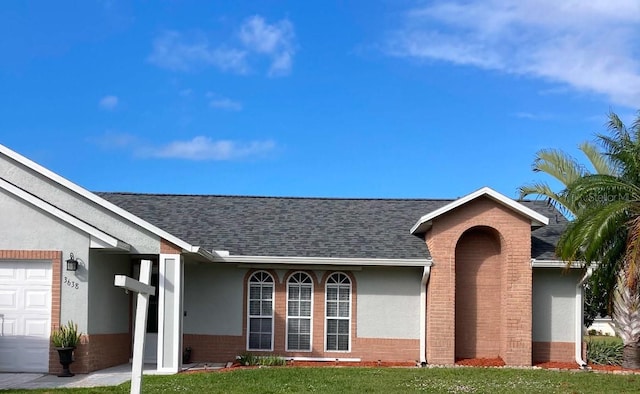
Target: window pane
(305, 293)
(305, 342)
(294, 309)
(293, 342)
(332, 342)
(343, 342)
(343, 309)
(332, 309)
(332, 326)
(266, 325)
(266, 308)
(266, 292)
(305, 308)
(343, 326)
(254, 292)
(304, 326)
(344, 293)
(254, 308)
(254, 341)
(332, 293)
(265, 341)
(294, 292)
(293, 325)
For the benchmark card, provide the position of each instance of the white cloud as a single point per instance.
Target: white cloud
(590, 46)
(255, 38)
(226, 104)
(173, 51)
(204, 148)
(274, 40)
(108, 103)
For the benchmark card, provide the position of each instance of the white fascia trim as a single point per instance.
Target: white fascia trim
(425, 222)
(324, 261)
(99, 239)
(555, 264)
(97, 199)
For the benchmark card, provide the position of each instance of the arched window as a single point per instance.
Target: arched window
(338, 313)
(260, 312)
(299, 311)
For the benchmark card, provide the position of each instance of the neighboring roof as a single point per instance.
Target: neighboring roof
(536, 218)
(306, 227)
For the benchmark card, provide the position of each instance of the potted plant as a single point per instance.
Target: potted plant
(64, 340)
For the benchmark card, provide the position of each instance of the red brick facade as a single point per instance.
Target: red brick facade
(511, 234)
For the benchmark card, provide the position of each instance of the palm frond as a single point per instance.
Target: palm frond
(543, 190)
(600, 163)
(559, 165)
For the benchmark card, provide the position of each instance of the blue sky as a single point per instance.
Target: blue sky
(378, 99)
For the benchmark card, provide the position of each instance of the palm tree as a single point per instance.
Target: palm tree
(566, 169)
(606, 227)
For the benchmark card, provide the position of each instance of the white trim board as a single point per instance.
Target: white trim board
(424, 223)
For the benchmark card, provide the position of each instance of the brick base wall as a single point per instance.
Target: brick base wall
(393, 350)
(553, 351)
(97, 351)
(221, 348)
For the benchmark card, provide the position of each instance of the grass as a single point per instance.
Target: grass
(380, 380)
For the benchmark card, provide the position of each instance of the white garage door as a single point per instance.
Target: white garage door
(25, 316)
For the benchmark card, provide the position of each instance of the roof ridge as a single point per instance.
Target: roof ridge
(276, 197)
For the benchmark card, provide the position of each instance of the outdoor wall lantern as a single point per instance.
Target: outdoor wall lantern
(72, 263)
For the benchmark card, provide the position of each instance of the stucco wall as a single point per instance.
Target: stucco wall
(26, 228)
(388, 302)
(554, 292)
(110, 317)
(213, 299)
(141, 240)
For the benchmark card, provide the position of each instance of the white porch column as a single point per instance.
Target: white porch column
(170, 309)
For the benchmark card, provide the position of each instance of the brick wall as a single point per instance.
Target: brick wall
(514, 316)
(478, 294)
(95, 352)
(553, 351)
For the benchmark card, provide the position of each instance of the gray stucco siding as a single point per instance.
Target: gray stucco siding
(213, 297)
(554, 299)
(108, 305)
(388, 302)
(27, 228)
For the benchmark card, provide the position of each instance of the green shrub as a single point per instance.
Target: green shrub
(66, 336)
(605, 352)
(248, 359)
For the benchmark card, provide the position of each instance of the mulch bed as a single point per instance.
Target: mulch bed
(473, 362)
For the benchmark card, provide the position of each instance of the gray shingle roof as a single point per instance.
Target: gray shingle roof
(304, 227)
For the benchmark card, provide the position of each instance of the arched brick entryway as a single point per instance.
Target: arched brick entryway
(478, 295)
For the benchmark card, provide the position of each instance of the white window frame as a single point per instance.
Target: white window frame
(310, 318)
(326, 309)
(273, 307)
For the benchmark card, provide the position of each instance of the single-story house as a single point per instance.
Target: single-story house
(424, 280)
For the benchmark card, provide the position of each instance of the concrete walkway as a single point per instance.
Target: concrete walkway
(113, 376)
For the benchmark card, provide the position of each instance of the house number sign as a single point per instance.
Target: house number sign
(71, 283)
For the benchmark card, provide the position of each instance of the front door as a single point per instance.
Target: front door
(151, 337)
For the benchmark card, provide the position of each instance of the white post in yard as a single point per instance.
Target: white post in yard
(143, 289)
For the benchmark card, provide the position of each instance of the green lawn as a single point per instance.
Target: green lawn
(382, 380)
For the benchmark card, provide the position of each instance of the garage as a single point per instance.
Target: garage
(25, 315)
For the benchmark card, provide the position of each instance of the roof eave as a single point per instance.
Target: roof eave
(424, 223)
